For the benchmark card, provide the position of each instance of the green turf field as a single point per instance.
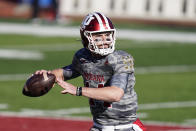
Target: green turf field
(151, 87)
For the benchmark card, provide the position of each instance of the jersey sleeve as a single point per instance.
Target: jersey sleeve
(123, 68)
(71, 71)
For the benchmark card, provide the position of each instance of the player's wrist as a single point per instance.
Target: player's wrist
(79, 91)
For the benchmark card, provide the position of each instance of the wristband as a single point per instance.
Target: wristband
(79, 91)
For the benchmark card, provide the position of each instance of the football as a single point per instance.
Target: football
(39, 84)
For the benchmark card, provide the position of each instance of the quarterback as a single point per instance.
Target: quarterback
(108, 76)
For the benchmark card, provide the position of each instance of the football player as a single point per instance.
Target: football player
(108, 76)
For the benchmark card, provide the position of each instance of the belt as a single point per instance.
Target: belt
(112, 128)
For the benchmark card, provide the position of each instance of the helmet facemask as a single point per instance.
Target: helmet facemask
(99, 45)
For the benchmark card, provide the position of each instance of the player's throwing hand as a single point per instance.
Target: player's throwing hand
(68, 88)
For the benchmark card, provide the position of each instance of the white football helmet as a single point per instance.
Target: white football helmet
(95, 23)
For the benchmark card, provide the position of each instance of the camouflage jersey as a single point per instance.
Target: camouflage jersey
(115, 69)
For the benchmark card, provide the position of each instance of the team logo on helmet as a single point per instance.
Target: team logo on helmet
(87, 20)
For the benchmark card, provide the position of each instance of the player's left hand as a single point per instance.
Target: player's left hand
(68, 88)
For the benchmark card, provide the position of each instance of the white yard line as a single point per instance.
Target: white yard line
(20, 54)
(167, 105)
(165, 69)
(190, 121)
(3, 106)
(40, 30)
(49, 113)
(181, 37)
(13, 77)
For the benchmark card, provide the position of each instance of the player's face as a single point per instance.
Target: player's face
(102, 40)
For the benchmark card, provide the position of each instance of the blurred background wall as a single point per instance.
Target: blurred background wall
(157, 11)
(149, 10)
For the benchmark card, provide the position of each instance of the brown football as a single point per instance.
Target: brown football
(39, 84)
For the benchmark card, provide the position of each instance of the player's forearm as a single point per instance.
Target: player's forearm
(109, 94)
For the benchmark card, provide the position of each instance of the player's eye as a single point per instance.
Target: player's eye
(108, 39)
(97, 39)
